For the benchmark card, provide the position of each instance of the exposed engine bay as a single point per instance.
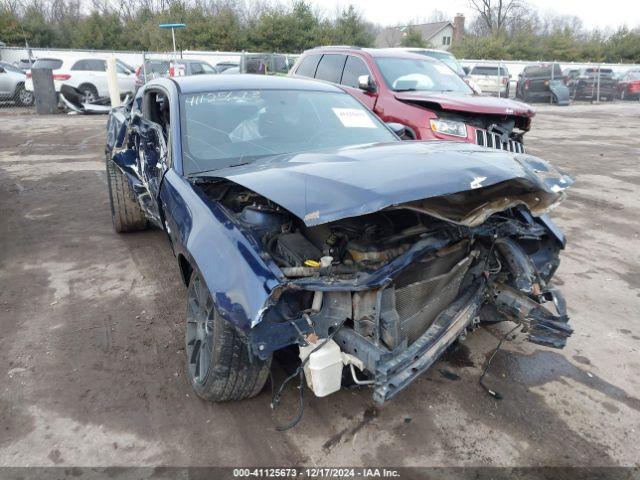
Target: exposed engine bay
(386, 293)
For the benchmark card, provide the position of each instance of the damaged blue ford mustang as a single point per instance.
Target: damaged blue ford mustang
(300, 221)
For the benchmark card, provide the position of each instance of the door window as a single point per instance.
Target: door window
(196, 68)
(330, 68)
(353, 69)
(90, 65)
(308, 66)
(156, 110)
(206, 68)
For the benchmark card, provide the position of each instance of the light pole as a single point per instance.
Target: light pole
(173, 27)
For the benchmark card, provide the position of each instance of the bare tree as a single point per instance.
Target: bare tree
(496, 14)
(437, 16)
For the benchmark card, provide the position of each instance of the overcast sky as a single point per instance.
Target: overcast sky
(592, 13)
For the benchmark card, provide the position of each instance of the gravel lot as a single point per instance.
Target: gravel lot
(91, 351)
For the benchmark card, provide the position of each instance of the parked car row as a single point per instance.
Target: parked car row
(89, 75)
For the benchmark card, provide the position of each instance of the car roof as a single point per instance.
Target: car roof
(418, 49)
(212, 83)
(373, 52)
(490, 65)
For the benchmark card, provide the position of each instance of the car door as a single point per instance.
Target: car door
(6, 81)
(354, 68)
(97, 71)
(126, 79)
(153, 133)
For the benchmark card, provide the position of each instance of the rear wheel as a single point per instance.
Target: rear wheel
(219, 363)
(126, 214)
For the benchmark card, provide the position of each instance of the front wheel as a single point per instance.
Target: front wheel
(219, 363)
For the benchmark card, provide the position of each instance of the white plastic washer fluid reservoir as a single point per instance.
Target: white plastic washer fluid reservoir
(324, 367)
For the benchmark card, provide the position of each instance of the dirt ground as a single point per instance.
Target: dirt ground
(92, 359)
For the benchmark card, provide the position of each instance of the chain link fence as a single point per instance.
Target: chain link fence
(14, 96)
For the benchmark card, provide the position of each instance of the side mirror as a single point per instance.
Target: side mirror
(366, 83)
(400, 130)
(2, 70)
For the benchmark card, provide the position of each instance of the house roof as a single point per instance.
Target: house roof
(392, 36)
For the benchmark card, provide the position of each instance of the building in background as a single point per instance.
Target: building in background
(440, 35)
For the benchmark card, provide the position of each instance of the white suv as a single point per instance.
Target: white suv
(89, 75)
(493, 79)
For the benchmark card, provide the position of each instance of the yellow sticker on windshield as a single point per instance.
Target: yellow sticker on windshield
(354, 118)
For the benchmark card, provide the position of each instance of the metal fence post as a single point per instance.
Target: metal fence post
(112, 82)
(553, 69)
(144, 66)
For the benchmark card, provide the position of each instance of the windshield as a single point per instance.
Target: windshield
(10, 68)
(157, 66)
(123, 67)
(543, 71)
(594, 71)
(227, 128)
(52, 63)
(404, 74)
(489, 71)
(446, 58)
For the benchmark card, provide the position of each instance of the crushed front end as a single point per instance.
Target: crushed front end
(383, 294)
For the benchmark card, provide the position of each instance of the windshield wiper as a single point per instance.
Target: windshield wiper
(406, 90)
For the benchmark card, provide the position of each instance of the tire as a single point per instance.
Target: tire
(89, 92)
(23, 96)
(218, 362)
(126, 214)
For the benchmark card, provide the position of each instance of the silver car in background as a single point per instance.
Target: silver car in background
(12, 81)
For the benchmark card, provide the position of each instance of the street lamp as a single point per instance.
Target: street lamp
(173, 27)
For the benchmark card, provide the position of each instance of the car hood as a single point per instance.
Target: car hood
(328, 185)
(469, 103)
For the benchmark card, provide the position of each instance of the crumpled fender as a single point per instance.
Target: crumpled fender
(231, 261)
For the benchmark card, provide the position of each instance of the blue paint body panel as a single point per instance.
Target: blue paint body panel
(321, 187)
(228, 259)
(317, 187)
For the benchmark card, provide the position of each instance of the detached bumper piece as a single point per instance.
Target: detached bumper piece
(398, 372)
(542, 326)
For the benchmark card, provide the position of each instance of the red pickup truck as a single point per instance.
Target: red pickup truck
(421, 93)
